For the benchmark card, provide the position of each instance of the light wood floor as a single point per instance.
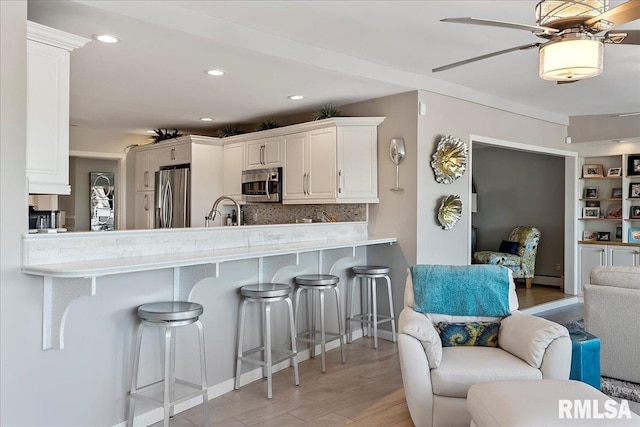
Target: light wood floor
(365, 391)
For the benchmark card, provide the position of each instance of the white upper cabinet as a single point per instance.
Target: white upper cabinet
(147, 163)
(264, 153)
(48, 55)
(233, 166)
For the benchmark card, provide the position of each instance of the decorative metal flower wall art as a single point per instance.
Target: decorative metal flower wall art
(450, 159)
(450, 211)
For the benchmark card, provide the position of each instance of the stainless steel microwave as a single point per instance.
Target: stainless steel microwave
(262, 185)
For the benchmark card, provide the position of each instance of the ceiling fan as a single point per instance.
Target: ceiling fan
(572, 51)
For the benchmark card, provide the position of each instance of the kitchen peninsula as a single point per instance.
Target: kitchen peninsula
(70, 264)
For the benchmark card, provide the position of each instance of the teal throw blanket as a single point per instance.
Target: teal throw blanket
(461, 290)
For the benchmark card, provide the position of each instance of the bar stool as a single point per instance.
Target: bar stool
(265, 294)
(319, 283)
(169, 315)
(369, 301)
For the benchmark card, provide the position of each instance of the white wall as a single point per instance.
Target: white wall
(450, 116)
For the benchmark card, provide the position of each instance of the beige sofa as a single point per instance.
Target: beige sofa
(436, 379)
(611, 313)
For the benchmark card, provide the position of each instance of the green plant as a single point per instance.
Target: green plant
(326, 111)
(229, 130)
(268, 124)
(163, 134)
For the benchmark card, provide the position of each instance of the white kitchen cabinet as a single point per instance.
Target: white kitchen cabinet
(47, 143)
(176, 154)
(264, 153)
(233, 167)
(309, 169)
(144, 210)
(335, 163)
(147, 164)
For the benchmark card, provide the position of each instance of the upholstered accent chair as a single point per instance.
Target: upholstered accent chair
(611, 301)
(522, 262)
(436, 378)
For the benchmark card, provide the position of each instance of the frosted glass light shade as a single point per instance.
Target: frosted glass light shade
(571, 59)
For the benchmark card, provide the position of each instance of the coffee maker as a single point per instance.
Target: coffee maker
(43, 220)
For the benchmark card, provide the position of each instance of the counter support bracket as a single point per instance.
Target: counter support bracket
(330, 257)
(58, 294)
(269, 266)
(186, 278)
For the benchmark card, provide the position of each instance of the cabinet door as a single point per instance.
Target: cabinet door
(321, 172)
(147, 163)
(143, 215)
(294, 170)
(255, 153)
(623, 256)
(177, 154)
(233, 166)
(590, 256)
(357, 152)
(264, 153)
(47, 119)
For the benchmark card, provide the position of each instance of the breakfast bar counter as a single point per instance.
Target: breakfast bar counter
(72, 263)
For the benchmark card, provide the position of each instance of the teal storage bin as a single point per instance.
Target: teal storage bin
(585, 358)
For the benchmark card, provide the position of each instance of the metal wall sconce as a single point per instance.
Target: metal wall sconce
(397, 153)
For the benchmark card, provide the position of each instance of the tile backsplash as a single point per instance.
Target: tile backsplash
(266, 213)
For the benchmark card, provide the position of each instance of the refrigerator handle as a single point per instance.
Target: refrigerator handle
(164, 205)
(169, 205)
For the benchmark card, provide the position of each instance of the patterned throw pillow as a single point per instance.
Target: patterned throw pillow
(482, 334)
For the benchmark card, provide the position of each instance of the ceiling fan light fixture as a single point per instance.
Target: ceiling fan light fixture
(549, 12)
(576, 58)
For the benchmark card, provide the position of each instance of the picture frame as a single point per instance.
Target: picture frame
(614, 210)
(592, 203)
(634, 212)
(614, 172)
(604, 236)
(633, 165)
(634, 190)
(592, 171)
(616, 193)
(634, 235)
(589, 235)
(618, 232)
(591, 212)
(590, 192)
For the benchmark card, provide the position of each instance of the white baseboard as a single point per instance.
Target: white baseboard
(549, 280)
(154, 415)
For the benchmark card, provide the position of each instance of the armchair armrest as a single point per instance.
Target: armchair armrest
(541, 343)
(419, 326)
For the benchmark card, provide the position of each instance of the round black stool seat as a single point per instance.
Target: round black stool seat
(317, 280)
(170, 311)
(266, 290)
(371, 269)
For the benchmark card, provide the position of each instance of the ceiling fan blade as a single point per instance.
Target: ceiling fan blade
(491, 23)
(488, 55)
(622, 37)
(626, 12)
(566, 82)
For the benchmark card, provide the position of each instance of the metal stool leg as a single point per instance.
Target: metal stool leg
(241, 314)
(263, 314)
(203, 373)
(368, 311)
(340, 326)
(349, 308)
(391, 314)
(267, 348)
(323, 338)
(134, 375)
(312, 323)
(294, 360)
(167, 375)
(374, 307)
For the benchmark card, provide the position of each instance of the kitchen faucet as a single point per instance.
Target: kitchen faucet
(214, 210)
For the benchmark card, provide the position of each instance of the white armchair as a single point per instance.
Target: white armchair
(436, 379)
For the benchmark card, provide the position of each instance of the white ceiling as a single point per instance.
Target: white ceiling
(329, 51)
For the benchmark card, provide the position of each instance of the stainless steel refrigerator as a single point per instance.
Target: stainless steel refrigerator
(172, 197)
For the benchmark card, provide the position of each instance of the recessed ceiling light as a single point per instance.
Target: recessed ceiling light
(295, 97)
(106, 38)
(215, 72)
(206, 119)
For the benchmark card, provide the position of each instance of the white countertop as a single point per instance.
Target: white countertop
(97, 268)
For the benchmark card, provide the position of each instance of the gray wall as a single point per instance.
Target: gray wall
(519, 188)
